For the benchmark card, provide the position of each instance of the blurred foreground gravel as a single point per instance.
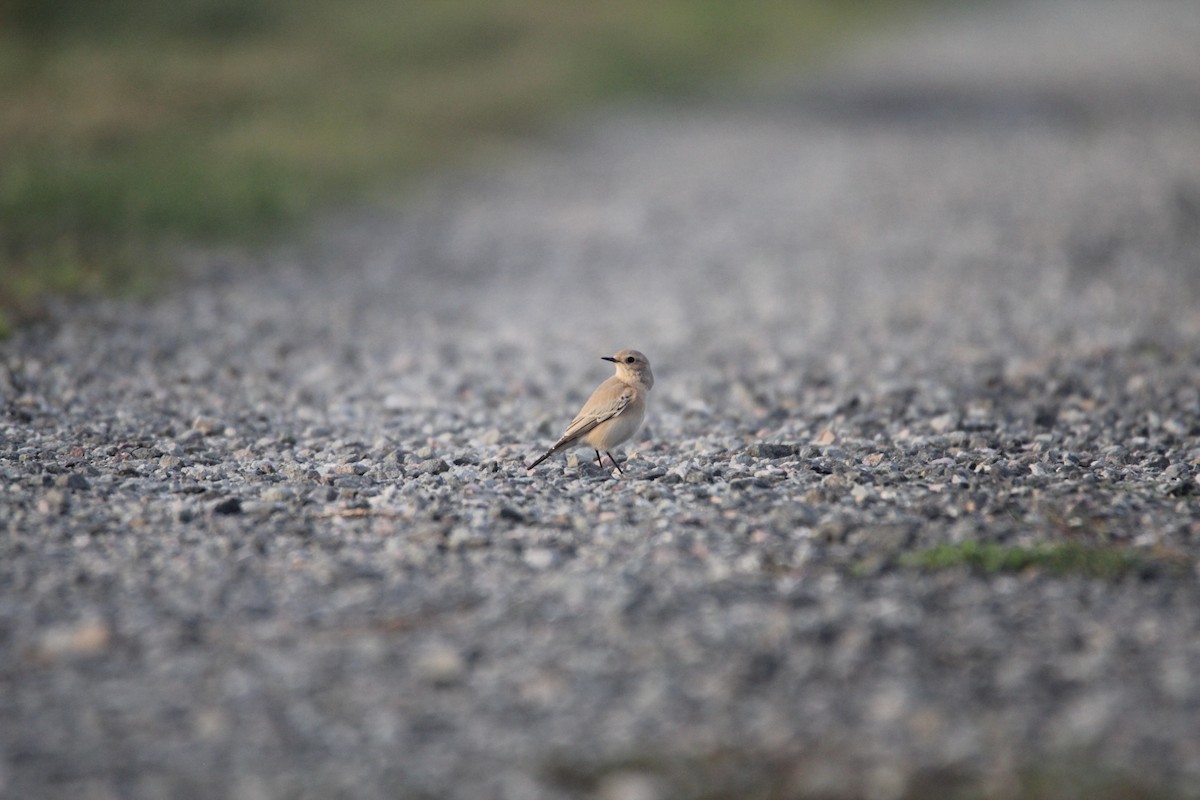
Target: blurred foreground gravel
(271, 537)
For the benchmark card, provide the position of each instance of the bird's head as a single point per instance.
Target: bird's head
(632, 367)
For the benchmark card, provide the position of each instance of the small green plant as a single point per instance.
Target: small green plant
(1058, 558)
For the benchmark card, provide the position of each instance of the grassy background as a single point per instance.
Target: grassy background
(127, 125)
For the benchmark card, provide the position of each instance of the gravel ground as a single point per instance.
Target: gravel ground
(270, 536)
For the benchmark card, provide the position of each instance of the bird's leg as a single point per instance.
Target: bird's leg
(615, 464)
(599, 460)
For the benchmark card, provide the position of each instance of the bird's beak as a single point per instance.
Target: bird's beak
(609, 358)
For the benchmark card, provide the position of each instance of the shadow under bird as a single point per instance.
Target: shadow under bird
(613, 413)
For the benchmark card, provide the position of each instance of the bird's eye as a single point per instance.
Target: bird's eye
(628, 359)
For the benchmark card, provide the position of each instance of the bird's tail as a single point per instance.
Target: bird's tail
(540, 458)
(559, 446)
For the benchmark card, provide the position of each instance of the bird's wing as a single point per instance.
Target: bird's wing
(605, 403)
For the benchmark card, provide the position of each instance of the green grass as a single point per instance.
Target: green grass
(133, 124)
(1059, 558)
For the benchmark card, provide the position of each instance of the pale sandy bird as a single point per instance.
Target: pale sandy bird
(613, 413)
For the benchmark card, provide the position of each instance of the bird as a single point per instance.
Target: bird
(613, 413)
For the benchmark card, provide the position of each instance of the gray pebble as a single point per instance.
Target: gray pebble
(230, 505)
(768, 450)
(440, 665)
(208, 426)
(73, 480)
(432, 466)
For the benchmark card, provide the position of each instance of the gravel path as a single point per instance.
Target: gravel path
(270, 536)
